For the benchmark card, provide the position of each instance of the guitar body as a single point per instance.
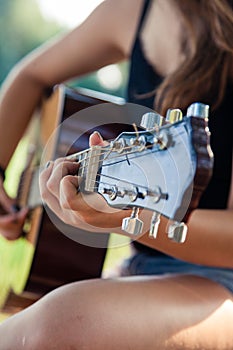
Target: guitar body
(57, 259)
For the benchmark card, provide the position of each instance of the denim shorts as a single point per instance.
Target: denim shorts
(146, 264)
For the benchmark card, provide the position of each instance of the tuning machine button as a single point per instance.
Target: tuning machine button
(154, 225)
(151, 121)
(132, 224)
(198, 109)
(174, 115)
(177, 231)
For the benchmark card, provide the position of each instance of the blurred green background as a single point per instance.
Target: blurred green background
(23, 28)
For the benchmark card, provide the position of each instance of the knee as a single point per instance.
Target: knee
(62, 321)
(69, 317)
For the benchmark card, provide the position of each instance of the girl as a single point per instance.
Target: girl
(182, 51)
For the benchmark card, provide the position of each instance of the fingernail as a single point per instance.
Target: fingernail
(97, 133)
(47, 164)
(15, 208)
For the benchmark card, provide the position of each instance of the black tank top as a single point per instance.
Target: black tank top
(143, 79)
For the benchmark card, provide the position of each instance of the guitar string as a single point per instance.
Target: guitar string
(147, 189)
(114, 157)
(119, 155)
(121, 180)
(110, 150)
(123, 160)
(102, 151)
(107, 152)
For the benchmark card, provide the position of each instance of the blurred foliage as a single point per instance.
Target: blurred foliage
(23, 28)
(91, 81)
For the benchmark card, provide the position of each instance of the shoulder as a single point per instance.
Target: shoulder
(119, 20)
(105, 37)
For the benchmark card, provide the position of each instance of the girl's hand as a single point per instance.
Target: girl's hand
(59, 185)
(11, 218)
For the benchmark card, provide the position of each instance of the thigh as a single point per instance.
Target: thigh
(181, 312)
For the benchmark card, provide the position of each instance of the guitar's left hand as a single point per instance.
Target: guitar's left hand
(59, 190)
(11, 218)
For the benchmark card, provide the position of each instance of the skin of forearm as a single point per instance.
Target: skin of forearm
(20, 95)
(209, 239)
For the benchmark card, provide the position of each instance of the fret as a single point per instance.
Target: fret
(91, 167)
(90, 161)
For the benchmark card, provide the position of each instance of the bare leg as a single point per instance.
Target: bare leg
(131, 313)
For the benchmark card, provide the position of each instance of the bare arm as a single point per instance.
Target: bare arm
(209, 240)
(104, 38)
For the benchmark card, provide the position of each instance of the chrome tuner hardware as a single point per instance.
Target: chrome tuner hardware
(151, 121)
(111, 192)
(198, 109)
(118, 145)
(154, 225)
(139, 142)
(162, 139)
(132, 224)
(177, 231)
(174, 115)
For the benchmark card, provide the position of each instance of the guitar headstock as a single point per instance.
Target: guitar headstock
(164, 168)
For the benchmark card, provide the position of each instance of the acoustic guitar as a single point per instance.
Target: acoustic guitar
(52, 258)
(162, 167)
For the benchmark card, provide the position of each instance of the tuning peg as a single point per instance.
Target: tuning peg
(198, 109)
(154, 225)
(174, 115)
(151, 120)
(177, 231)
(118, 145)
(132, 224)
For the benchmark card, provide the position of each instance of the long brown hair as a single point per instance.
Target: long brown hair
(208, 48)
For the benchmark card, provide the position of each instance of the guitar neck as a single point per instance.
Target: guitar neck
(90, 160)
